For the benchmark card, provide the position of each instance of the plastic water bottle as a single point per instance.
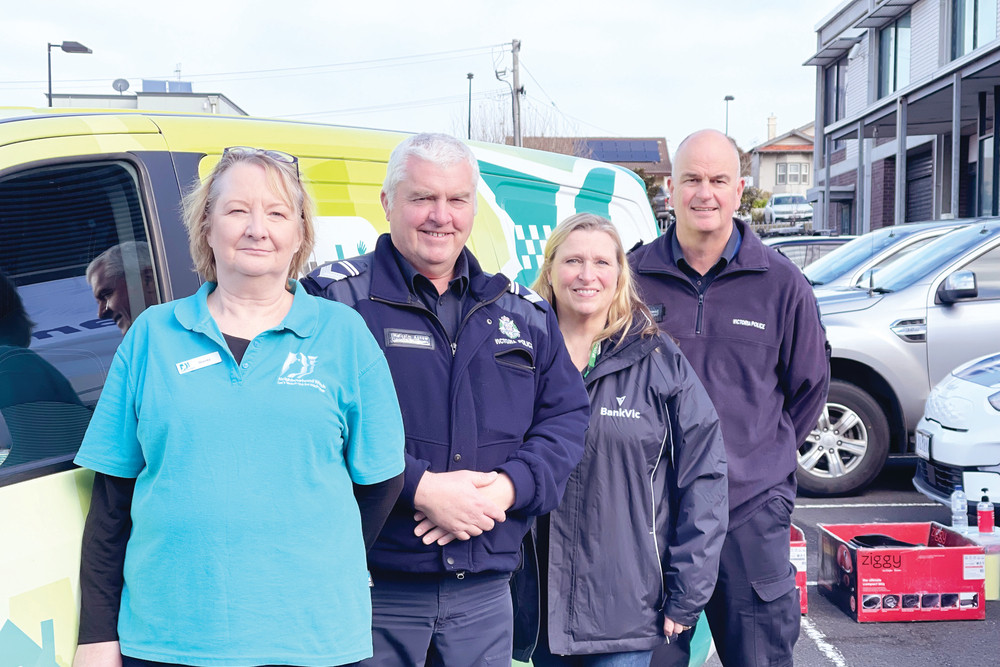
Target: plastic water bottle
(959, 510)
(984, 513)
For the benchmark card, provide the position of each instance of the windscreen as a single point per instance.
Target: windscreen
(853, 253)
(933, 256)
(787, 200)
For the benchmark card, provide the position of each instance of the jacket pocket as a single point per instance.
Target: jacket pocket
(517, 358)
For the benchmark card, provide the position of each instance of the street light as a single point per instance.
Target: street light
(470, 103)
(68, 47)
(728, 99)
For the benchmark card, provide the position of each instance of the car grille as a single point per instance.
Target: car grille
(941, 477)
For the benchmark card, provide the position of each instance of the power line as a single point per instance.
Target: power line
(413, 104)
(572, 119)
(528, 72)
(559, 110)
(356, 65)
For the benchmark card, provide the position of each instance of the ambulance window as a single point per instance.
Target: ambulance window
(75, 270)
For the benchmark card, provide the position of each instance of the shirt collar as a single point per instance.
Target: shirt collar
(302, 318)
(415, 280)
(728, 253)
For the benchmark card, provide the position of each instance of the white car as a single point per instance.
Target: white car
(958, 439)
(788, 214)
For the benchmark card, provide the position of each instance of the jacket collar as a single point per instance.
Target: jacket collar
(615, 356)
(390, 284)
(193, 314)
(751, 256)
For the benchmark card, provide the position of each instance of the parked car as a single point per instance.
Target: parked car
(662, 209)
(853, 263)
(891, 342)
(661, 203)
(76, 183)
(787, 214)
(958, 438)
(804, 250)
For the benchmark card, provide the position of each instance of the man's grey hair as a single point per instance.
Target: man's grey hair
(113, 260)
(441, 150)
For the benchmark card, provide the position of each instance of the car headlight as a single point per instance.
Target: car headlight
(995, 400)
(947, 408)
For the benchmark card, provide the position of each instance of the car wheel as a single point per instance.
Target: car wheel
(849, 445)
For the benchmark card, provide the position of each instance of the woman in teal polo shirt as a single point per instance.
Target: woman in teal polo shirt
(247, 416)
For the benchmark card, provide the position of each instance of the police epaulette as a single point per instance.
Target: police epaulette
(525, 293)
(339, 270)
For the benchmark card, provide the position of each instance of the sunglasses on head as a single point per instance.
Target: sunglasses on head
(277, 156)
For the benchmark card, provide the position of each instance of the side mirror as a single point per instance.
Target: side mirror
(957, 286)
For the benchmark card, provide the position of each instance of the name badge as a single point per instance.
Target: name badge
(199, 362)
(404, 338)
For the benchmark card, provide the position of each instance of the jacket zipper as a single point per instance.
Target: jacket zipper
(699, 318)
(652, 502)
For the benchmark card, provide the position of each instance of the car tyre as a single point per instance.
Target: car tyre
(849, 445)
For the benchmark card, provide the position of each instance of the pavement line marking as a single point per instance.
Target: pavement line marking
(836, 506)
(826, 648)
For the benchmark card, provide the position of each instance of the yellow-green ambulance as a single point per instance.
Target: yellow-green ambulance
(74, 184)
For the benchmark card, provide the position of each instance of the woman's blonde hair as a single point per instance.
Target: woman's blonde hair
(282, 177)
(626, 306)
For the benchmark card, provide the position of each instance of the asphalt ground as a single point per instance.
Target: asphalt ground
(830, 638)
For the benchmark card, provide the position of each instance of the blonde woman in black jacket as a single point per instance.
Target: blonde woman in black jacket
(630, 557)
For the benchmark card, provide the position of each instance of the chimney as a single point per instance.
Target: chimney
(772, 127)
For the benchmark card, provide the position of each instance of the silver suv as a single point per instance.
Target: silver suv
(892, 341)
(853, 263)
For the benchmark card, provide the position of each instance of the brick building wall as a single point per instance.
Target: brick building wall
(883, 196)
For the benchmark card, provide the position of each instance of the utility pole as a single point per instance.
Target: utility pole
(516, 94)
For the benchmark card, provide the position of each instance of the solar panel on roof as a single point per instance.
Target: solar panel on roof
(622, 150)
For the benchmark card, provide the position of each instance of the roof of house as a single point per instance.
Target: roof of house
(799, 140)
(648, 153)
(786, 148)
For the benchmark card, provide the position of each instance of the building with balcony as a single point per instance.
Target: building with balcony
(906, 96)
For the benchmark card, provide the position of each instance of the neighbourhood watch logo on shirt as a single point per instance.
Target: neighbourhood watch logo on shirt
(295, 370)
(627, 413)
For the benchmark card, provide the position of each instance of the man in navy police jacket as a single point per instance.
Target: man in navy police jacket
(746, 319)
(493, 408)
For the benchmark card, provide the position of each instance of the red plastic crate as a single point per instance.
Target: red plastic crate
(799, 561)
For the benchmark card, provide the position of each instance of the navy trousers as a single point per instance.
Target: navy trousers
(442, 621)
(754, 612)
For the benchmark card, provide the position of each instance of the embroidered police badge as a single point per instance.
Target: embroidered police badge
(508, 328)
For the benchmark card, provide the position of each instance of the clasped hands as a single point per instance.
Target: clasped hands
(460, 505)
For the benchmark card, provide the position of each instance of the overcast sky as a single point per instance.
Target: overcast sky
(627, 68)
